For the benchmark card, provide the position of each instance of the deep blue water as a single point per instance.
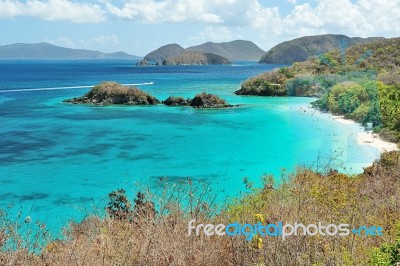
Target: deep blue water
(59, 161)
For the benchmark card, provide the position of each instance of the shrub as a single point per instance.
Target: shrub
(387, 254)
(119, 207)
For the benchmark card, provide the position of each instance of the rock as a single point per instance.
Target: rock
(206, 100)
(113, 93)
(143, 63)
(176, 101)
(201, 100)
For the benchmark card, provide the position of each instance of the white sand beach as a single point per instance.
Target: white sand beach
(368, 137)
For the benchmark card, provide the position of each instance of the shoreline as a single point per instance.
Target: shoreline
(368, 137)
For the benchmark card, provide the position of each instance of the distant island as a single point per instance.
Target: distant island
(157, 56)
(301, 49)
(238, 50)
(195, 58)
(48, 51)
(230, 51)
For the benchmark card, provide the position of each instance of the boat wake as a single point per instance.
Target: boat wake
(71, 87)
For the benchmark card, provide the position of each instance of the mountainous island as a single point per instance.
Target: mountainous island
(195, 58)
(164, 52)
(301, 49)
(235, 50)
(48, 51)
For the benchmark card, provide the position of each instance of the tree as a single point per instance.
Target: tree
(119, 207)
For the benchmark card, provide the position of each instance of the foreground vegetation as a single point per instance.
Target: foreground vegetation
(153, 230)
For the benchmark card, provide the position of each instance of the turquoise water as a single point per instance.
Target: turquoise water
(58, 160)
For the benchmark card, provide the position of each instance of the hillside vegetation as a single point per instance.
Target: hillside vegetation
(362, 84)
(301, 49)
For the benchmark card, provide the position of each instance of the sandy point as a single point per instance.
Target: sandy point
(368, 137)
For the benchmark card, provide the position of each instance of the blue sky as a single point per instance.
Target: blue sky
(140, 26)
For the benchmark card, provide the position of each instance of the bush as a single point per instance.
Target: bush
(387, 254)
(119, 207)
(346, 97)
(359, 114)
(389, 96)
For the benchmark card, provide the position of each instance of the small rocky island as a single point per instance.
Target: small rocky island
(108, 93)
(177, 101)
(201, 100)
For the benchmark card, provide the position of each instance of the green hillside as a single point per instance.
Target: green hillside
(301, 49)
(235, 50)
(362, 84)
(158, 55)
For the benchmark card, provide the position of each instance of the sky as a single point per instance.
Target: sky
(140, 26)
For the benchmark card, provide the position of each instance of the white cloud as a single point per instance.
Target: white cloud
(152, 11)
(103, 40)
(266, 20)
(216, 34)
(223, 20)
(364, 17)
(53, 10)
(62, 41)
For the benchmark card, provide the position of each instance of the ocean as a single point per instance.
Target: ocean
(59, 161)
